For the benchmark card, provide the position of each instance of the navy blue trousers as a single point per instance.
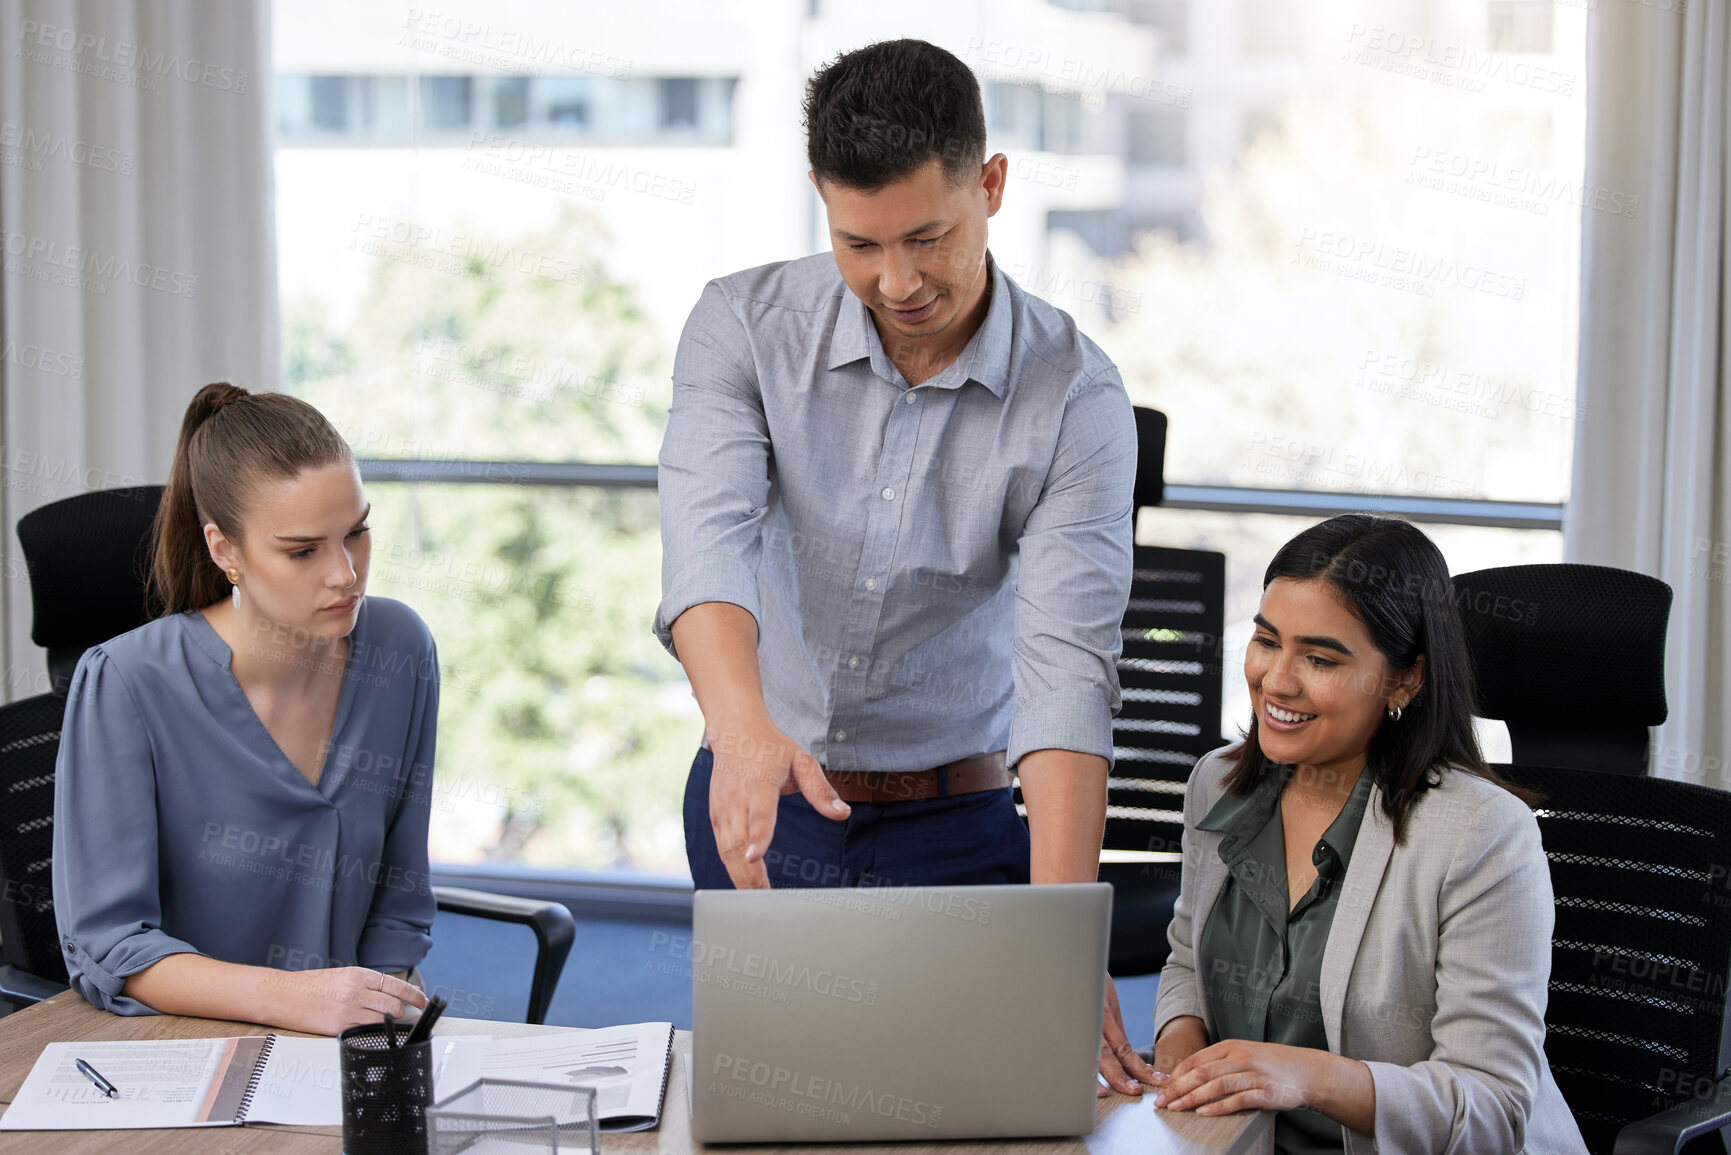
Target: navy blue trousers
(969, 840)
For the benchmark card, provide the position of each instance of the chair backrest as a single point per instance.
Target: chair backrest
(29, 744)
(1641, 954)
(88, 557)
(1150, 457)
(1171, 674)
(1572, 658)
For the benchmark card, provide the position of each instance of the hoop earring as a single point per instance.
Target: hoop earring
(1394, 713)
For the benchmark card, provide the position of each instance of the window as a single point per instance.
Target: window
(330, 110)
(600, 109)
(488, 248)
(1103, 232)
(1157, 138)
(1170, 18)
(567, 102)
(1013, 114)
(1026, 116)
(511, 102)
(445, 102)
(679, 102)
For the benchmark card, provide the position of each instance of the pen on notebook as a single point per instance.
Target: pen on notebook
(95, 1076)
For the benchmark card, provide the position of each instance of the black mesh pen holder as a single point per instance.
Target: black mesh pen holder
(386, 1091)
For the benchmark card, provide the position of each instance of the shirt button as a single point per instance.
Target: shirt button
(911, 397)
(853, 663)
(888, 494)
(841, 735)
(871, 583)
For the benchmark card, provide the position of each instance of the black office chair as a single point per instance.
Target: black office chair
(1572, 658)
(87, 557)
(1170, 674)
(1635, 1029)
(31, 968)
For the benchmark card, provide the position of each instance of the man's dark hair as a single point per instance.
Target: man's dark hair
(881, 113)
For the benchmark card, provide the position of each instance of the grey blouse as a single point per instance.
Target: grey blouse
(180, 826)
(1262, 964)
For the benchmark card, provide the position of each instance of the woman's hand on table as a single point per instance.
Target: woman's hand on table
(1183, 1037)
(1236, 1075)
(328, 1002)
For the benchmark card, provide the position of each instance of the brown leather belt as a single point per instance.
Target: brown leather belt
(963, 776)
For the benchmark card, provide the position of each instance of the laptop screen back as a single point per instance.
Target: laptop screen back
(897, 1013)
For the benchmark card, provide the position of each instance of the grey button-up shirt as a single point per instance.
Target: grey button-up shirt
(937, 571)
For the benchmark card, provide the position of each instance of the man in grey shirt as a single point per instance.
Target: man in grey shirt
(897, 522)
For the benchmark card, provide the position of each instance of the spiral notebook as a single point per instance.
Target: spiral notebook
(626, 1065)
(206, 1082)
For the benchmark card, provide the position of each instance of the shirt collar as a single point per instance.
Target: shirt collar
(1241, 817)
(985, 358)
(1342, 834)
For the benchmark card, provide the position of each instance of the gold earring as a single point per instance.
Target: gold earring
(234, 575)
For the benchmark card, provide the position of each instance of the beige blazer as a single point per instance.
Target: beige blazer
(1435, 972)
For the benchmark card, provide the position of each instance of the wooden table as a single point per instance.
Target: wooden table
(1125, 1126)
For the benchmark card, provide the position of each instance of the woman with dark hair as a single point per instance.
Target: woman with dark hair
(1362, 939)
(244, 783)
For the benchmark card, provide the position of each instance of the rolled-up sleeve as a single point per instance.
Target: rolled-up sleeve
(1073, 579)
(1476, 1091)
(106, 899)
(398, 930)
(714, 469)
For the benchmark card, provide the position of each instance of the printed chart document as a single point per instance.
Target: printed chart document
(627, 1066)
(207, 1082)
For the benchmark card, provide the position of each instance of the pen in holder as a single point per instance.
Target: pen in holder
(386, 1091)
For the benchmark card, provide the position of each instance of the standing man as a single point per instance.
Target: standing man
(897, 521)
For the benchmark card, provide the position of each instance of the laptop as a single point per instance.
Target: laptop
(922, 1013)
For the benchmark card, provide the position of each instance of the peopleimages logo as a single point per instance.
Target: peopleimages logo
(113, 59)
(750, 965)
(28, 142)
(89, 269)
(798, 1092)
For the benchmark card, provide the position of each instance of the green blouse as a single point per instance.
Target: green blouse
(1261, 963)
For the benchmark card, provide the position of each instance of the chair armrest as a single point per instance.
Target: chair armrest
(554, 928)
(23, 989)
(1666, 1132)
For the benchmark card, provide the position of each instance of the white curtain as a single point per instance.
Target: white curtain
(138, 229)
(1652, 473)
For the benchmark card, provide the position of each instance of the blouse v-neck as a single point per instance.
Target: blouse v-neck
(213, 644)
